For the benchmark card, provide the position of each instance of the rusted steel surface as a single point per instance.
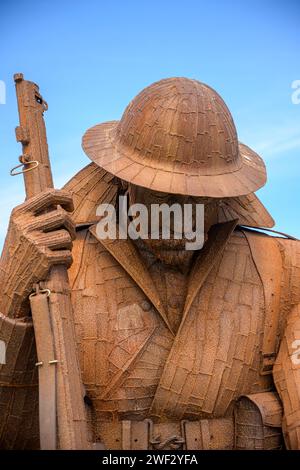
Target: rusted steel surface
(33, 239)
(177, 136)
(176, 350)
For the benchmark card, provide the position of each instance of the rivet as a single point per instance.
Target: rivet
(146, 306)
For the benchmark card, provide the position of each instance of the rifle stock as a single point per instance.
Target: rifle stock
(32, 134)
(61, 396)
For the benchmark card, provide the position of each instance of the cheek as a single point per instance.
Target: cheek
(209, 215)
(210, 212)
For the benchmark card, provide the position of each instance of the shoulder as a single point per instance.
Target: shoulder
(287, 244)
(290, 250)
(274, 252)
(251, 240)
(90, 187)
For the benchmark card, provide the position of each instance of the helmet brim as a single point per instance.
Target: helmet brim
(101, 148)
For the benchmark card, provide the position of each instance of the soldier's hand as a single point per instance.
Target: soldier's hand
(44, 224)
(40, 235)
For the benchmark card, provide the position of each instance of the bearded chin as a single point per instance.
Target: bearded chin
(174, 257)
(171, 252)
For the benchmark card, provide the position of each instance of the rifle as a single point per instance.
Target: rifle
(61, 396)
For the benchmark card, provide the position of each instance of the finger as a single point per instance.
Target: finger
(59, 257)
(52, 221)
(57, 240)
(51, 199)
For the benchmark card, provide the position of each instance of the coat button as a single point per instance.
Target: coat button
(146, 306)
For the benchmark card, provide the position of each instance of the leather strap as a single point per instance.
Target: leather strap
(47, 370)
(214, 433)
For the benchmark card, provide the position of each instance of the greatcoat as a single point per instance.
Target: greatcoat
(206, 385)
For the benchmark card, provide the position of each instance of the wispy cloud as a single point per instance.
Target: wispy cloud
(275, 141)
(279, 144)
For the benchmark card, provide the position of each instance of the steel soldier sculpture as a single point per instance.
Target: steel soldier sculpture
(147, 345)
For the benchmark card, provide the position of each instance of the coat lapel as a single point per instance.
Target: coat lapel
(127, 255)
(206, 260)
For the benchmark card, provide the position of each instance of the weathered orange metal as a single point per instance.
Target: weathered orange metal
(177, 350)
(177, 136)
(60, 388)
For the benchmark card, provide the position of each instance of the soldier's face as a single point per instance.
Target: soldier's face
(148, 197)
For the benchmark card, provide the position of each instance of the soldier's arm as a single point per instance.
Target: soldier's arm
(39, 235)
(18, 375)
(287, 378)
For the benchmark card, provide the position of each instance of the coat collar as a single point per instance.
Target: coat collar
(127, 255)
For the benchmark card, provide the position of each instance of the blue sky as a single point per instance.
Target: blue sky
(91, 58)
